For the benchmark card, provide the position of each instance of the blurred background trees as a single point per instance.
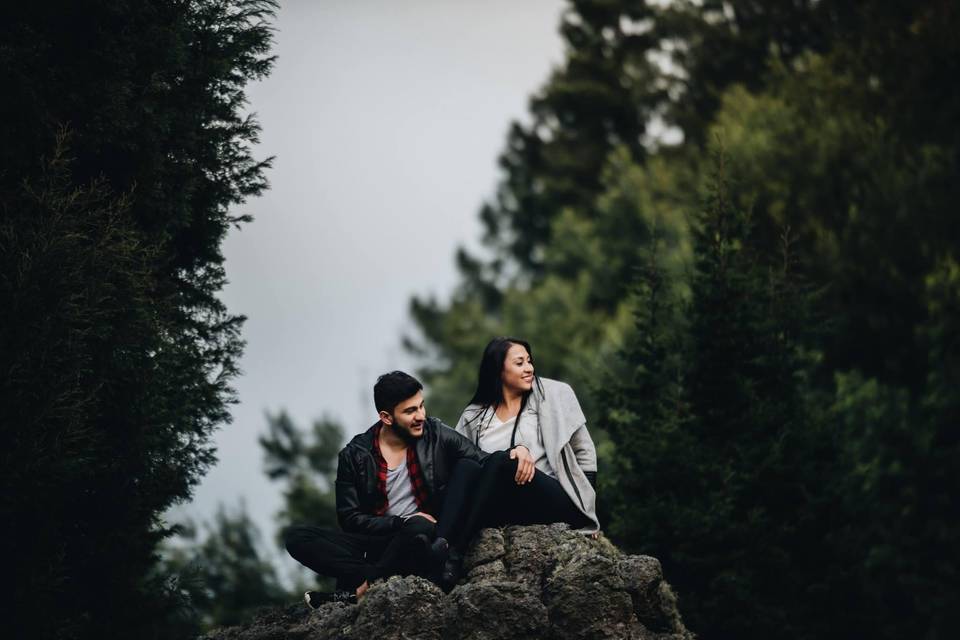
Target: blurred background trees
(729, 226)
(225, 574)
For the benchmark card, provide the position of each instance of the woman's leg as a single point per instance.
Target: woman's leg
(459, 500)
(541, 501)
(481, 495)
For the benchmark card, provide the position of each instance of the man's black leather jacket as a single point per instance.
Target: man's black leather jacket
(438, 450)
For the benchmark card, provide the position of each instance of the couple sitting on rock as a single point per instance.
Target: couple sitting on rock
(412, 492)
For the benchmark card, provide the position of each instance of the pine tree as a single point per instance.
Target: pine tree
(224, 577)
(644, 407)
(307, 464)
(715, 446)
(118, 354)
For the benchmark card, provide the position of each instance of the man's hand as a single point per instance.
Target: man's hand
(525, 468)
(425, 515)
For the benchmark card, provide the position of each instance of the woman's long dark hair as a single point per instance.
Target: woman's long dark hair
(489, 393)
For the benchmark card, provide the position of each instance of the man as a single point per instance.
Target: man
(390, 483)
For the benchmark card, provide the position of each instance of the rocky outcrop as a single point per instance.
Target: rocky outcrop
(520, 583)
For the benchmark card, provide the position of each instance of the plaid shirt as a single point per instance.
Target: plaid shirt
(413, 470)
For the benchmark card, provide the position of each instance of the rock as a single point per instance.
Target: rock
(400, 608)
(495, 570)
(477, 611)
(587, 598)
(653, 601)
(541, 581)
(328, 622)
(487, 547)
(291, 622)
(531, 552)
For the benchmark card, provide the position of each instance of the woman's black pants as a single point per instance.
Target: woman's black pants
(352, 558)
(486, 495)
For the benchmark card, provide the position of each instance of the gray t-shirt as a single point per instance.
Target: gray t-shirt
(400, 500)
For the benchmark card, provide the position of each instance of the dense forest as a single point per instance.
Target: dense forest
(725, 224)
(728, 226)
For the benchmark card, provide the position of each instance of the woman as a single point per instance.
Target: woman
(543, 464)
(539, 423)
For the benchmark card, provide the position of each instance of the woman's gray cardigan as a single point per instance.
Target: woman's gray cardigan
(568, 445)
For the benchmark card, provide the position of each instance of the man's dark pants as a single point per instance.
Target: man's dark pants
(353, 558)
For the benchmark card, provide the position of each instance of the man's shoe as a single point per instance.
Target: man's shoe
(439, 550)
(316, 598)
(421, 543)
(452, 571)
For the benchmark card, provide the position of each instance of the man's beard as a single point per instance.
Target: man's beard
(405, 434)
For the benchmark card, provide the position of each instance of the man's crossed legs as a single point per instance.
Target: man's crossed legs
(478, 495)
(355, 560)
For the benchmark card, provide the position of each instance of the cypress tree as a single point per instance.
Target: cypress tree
(712, 436)
(117, 353)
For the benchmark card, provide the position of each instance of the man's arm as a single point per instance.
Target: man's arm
(457, 446)
(349, 515)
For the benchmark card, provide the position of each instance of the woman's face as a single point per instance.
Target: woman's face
(517, 375)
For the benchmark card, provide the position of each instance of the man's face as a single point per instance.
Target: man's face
(407, 418)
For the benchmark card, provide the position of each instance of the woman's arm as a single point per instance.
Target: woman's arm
(463, 426)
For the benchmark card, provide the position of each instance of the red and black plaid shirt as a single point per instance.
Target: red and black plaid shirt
(413, 470)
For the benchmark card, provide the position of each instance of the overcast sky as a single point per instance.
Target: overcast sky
(386, 120)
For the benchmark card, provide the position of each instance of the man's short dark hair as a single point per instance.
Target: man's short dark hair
(393, 388)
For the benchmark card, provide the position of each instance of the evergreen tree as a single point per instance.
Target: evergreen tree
(223, 577)
(630, 70)
(644, 410)
(714, 448)
(117, 353)
(307, 464)
(79, 336)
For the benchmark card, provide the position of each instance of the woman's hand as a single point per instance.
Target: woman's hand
(525, 467)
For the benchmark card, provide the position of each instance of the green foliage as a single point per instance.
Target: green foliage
(223, 578)
(713, 432)
(83, 454)
(117, 353)
(775, 372)
(307, 464)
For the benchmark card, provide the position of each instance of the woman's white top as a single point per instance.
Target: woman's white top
(495, 435)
